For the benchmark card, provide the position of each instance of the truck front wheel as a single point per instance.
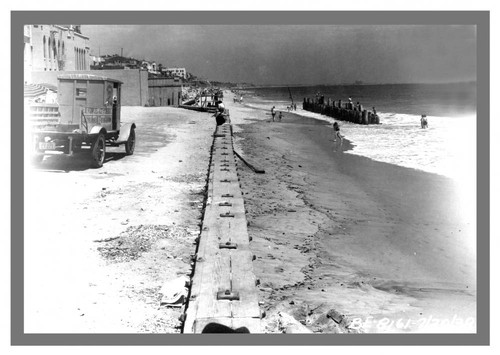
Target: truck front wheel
(98, 151)
(130, 145)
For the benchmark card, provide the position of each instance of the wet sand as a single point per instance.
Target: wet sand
(387, 247)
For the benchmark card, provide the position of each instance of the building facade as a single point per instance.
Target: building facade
(179, 72)
(164, 91)
(114, 62)
(55, 48)
(134, 89)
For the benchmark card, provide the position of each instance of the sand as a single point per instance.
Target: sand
(387, 247)
(101, 243)
(342, 243)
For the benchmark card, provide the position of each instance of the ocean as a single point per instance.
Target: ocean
(447, 147)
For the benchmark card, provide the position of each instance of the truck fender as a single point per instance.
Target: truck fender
(125, 131)
(98, 129)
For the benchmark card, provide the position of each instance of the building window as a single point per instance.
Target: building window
(54, 56)
(81, 93)
(49, 49)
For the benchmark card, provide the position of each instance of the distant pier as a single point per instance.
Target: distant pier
(343, 111)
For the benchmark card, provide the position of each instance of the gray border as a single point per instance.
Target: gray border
(479, 18)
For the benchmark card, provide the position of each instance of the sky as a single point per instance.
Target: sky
(299, 54)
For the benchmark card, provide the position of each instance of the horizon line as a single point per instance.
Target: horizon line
(353, 84)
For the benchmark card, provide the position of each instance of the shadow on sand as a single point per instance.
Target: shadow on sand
(77, 162)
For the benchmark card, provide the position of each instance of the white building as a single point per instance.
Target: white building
(55, 48)
(150, 66)
(179, 72)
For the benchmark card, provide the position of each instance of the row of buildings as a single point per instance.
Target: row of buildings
(52, 49)
(64, 47)
(116, 61)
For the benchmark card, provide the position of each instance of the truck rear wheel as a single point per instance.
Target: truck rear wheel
(130, 145)
(98, 151)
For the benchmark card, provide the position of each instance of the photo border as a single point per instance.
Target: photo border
(481, 19)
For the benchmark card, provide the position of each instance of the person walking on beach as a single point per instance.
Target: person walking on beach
(336, 132)
(273, 112)
(241, 99)
(280, 117)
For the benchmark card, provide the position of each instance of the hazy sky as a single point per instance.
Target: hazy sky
(299, 54)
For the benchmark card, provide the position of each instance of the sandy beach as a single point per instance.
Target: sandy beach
(386, 247)
(101, 243)
(342, 243)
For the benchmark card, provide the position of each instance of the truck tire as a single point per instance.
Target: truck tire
(98, 151)
(130, 145)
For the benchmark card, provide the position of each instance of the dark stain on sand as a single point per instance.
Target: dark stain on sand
(417, 291)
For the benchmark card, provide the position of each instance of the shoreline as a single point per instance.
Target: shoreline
(381, 244)
(399, 138)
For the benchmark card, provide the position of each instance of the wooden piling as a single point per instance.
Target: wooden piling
(340, 111)
(364, 119)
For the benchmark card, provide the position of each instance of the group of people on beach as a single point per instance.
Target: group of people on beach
(292, 107)
(235, 99)
(273, 114)
(336, 127)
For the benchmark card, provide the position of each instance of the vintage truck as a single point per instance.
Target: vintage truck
(85, 119)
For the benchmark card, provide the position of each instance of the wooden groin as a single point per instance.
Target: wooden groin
(340, 111)
(223, 289)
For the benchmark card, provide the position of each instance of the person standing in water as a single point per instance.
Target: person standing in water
(273, 112)
(423, 121)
